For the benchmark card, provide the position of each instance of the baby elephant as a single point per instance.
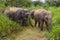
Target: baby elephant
(42, 16)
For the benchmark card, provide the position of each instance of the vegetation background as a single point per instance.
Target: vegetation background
(9, 27)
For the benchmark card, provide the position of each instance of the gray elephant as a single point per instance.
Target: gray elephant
(15, 14)
(12, 12)
(22, 16)
(27, 17)
(42, 16)
(18, 14)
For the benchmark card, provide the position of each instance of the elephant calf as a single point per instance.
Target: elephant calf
(40, 16)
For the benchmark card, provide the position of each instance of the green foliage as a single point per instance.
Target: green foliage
(55, 33)
(53, 2)
(37, 3)
(34, 8)
(2, 7)
(18, 3)
(7, 27)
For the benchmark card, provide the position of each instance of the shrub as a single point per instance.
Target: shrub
(55, 33)
(7, 26)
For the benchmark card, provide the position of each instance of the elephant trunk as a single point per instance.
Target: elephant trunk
(30, 22)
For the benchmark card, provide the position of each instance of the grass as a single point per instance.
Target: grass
(7, 27)
(55, 34)
(30, 33)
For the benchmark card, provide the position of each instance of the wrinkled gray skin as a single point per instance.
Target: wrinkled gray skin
(40, 16)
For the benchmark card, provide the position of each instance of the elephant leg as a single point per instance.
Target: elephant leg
(48, 24)
(35, 22)
(22, 22)
(41, 24)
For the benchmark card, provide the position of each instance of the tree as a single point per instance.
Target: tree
(37, 3)
(53, 2)
(18, 3)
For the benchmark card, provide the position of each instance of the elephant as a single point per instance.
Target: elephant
(12, 12)
(42, 16)
(27, 16)
(22, 16)
(18, 14)
(15, 14)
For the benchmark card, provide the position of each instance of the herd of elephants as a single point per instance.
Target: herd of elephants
(40, 16)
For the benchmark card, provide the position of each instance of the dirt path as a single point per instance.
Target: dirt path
(31, 34)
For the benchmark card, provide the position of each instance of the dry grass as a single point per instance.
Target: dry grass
(31, 34)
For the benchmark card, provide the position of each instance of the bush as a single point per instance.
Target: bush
(55, 33)
(7, 26)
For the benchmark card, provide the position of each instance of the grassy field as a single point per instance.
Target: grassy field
(8, 27)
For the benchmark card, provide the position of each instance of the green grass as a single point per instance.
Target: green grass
(7, 27)
(55, 33)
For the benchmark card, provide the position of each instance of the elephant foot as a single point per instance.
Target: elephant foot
(41, 29)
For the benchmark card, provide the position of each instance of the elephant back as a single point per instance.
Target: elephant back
(14, 9)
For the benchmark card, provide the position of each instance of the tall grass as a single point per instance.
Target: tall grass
(55, 33)
(7, 27)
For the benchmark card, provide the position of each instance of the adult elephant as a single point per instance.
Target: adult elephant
(15, 14)
(18, 14)
(12, 12)
(40, 16)
(26, 16)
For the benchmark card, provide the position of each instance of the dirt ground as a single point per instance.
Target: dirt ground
(31, 34)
